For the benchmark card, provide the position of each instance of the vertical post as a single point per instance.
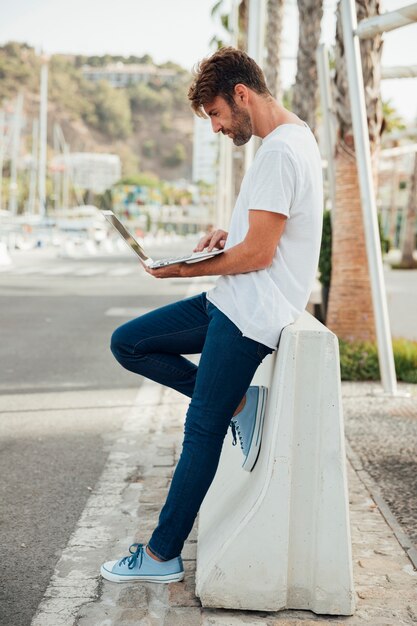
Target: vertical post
(224, 182)
(256, 43)
(57, 174)
(2, 151)
(65, 179)
(43, 121)
(363, 156)
(66, 161)
(327, 111)
(34, 167)
(17, 124)
(225, 176)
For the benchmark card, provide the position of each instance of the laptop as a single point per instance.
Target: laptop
(145, 259)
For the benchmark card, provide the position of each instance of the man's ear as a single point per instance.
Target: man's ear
(241, 94)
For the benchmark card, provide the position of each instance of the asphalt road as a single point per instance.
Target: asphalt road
(62, 394)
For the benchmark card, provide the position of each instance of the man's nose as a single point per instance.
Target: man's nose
(216, 125)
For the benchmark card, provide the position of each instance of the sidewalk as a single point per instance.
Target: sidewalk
(124, 509)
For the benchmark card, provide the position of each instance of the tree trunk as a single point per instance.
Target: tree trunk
(407, 258)
(350, 313)
(243, 18)
(275, 12)
(306, 89)
(350, 310)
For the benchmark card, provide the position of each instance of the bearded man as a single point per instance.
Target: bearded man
(265, 277)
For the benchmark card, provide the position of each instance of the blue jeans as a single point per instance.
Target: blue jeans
(152, 346)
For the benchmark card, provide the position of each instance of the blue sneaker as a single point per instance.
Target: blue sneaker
(140, 566)
(248, 425)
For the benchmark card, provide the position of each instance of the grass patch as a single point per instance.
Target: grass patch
(359, 360)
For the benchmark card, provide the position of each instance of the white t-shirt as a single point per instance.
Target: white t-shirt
(285, 177)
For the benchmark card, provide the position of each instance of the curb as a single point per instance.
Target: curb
(376, 495)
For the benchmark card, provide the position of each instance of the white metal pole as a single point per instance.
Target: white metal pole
(2, 151)
(66, 160)
(399, 71)
(225, 175)
(256, 44)
(57, 174)
(43, 121)
(17, 124)
(387, 21)
(363, 160)
(65, 177)
(34, 167)
(327, 115)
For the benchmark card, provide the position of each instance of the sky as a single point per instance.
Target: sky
(180, 31)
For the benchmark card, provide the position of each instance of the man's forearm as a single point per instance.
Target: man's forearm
(236, 260)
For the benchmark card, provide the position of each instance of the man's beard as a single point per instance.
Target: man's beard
(241, 128)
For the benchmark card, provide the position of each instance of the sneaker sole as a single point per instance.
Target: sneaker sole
(250, 461)
(117, 578)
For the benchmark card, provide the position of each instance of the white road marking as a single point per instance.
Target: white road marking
(108, 522)
(57, 271)
(89, 271)
(25, 270)
(122, 271)
(126, 312)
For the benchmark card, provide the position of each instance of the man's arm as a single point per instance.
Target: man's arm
(255, 252)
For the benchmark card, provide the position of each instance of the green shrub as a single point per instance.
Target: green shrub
(148, 148)
(176, 157)
(359, 360)
(325, 260)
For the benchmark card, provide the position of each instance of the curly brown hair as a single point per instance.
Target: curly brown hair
(218, 75)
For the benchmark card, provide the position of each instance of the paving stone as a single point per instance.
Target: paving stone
(385, 581)
(134, 596)
(183, 593)
(183, 617)
(127, 617)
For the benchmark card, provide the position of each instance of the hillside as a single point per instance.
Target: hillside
(150, 125)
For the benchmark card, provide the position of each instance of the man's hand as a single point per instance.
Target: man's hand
(255, 252)
(177, 270)
(215, 239)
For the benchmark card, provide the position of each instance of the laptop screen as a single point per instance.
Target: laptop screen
(130, 240)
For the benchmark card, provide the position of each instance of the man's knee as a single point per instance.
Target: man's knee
(121, 343)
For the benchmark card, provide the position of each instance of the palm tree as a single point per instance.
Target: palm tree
(275, 13)
(350, 312)
(306, 89)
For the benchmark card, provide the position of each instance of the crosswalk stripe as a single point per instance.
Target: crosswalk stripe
(122, 271)
(57, 271)
(127, 312)
(20, 271)
(89, 271)
(45, 270)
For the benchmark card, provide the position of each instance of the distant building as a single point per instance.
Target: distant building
(205, 152)
(94, 171)
(125, 74)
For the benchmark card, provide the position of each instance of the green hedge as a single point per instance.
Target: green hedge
(325, 260)
(359, 360)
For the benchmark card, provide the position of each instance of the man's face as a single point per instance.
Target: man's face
(233, 121)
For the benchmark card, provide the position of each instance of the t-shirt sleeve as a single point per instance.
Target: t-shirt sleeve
(273, 184)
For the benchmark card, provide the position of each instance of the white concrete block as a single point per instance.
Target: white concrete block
(5, 258)
(89, 247)
(107, 246)
(279, 537)
(68, 249)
